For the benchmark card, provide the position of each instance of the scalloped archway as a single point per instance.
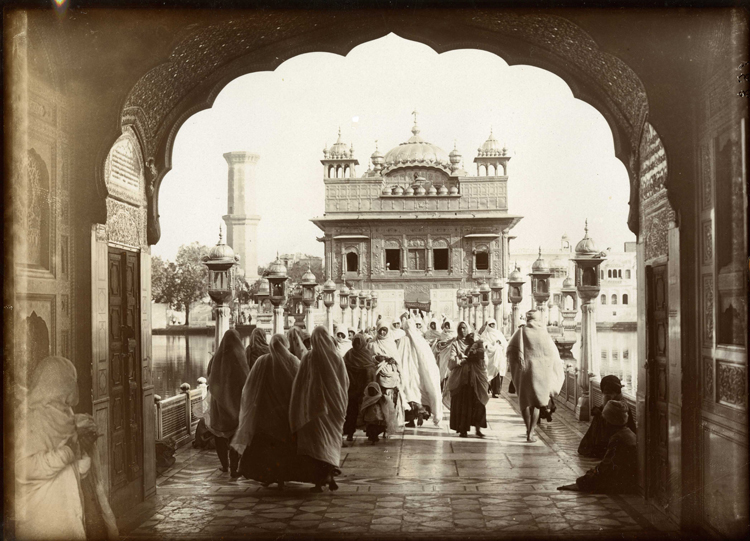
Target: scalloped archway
(210, 57)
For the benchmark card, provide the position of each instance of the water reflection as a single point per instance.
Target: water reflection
(179, 359)
(618, 356)
(182, 359)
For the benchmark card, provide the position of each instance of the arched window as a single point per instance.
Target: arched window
(609, 273)
(627, 274)
(614, 298)
(625, 298)
(603, 299)
(352, 262)
(619, 273)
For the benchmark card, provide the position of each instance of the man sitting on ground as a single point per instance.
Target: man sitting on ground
(594, 443)
(616, 473)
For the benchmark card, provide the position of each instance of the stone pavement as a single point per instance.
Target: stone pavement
(426, 482)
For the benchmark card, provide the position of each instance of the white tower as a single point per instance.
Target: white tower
(241, 218)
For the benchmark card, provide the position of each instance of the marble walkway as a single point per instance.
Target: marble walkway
(426, 482)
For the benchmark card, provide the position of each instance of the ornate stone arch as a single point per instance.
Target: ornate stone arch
(212, 55)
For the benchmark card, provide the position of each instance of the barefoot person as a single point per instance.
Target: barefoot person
(317, 411)
(263, 437)
(467, 385)
(536, 368)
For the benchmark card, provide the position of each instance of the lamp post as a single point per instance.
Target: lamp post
(540, 275)
(515, 296)
(343, 303)
(459, 303)
(264, 292)
(587, 261)
(373, 316)
(474, 299)
(220, 261)
(368, 311)
(496, 285)
(484, 297)
(277, 277)
(329, 292)
(353, 300)
(362, 306)
(308, 296)
(465, 302)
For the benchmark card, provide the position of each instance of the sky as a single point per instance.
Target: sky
(563, 169)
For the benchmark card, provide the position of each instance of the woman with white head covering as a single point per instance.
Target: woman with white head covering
(383, 344)
(263, 436)
(343, 343)
(450, 345)
(60, 494)
(317, 411)
(431, 333)
(419, 371)
(536, 368)
(227, 373)
(397, 333)
(495, 344)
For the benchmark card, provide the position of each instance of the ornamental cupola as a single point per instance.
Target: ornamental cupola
(492, 158)
(377, 159)
(339, 161)
(416, 152)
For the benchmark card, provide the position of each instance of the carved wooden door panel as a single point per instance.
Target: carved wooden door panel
(126, 451)
(657, 426)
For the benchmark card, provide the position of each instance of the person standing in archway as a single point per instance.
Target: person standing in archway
(536, 368)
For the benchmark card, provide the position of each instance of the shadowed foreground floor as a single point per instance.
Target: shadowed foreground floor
(426, 482)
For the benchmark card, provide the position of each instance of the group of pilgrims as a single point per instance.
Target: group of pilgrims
(278, 410)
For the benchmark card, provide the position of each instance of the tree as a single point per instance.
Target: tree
(180, 283)
(299, 268)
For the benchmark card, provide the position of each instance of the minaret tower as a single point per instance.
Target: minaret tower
(241, 218)
(491, 159)
(339, 161)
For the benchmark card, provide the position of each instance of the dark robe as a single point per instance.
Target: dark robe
(257, 347)
(467, 385)
(594, 442)
(361, 367)
(616, 473)
(264, 437)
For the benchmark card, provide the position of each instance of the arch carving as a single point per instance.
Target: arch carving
(211, 55)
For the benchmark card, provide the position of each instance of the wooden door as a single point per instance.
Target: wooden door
(126, 449)
(657, 425)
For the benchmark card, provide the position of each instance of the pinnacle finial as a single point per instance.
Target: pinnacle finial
(376, 145)
(540, 251)
(586, 227)
(415, 128)
(220, 234)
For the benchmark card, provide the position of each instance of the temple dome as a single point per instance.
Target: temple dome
(568, 283)
(491, 147)
(586, 245)
(415, 152)
(339, 149)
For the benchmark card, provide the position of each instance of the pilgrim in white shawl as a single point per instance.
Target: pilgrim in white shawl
(227, 373)
(397, 333)
(263, 437)
(317, 412)
(383, 344)
(536, 369)
(60, 492)
(467, 387)
(420, 376)
(495, 345)
(450, 345)
(431, 333)
(343, 343)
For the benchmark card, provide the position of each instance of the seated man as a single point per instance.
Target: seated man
(616, 473)
(594, 443)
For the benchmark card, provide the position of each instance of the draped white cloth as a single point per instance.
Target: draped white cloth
(319, 398)
(49, 495)
(385, 345)
(342, 344)
(396, 334)
(495, 345)
(535, 364)
(420, 374)
(266, 395)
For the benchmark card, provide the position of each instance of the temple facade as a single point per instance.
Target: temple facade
(416, 227)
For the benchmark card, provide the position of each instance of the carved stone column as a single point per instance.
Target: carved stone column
(588, 353)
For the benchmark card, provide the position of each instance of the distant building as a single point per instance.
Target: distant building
(415, 226)
(290, 259)
(617, 299)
